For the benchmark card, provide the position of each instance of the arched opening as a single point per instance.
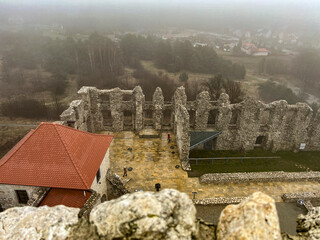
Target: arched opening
(260, 140)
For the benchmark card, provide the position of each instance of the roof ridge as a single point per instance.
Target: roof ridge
(27, 136)
(74, 164)
(77, 130)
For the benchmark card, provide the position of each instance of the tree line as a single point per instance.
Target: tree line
(33, 63)
(177, 56)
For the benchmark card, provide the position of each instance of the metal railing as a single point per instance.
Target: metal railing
(212, 160)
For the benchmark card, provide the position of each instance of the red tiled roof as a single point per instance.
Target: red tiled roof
(55, 156)
(67, 197)
(262, 50)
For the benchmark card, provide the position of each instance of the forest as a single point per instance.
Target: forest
(32, 63)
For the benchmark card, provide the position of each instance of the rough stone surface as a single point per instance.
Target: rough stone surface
(254, 218)
(168, 214)
(202, 111)
(280, 125)
(158, 102)
(139, 105)
(37, 223)
(308, 226)
(277, 176)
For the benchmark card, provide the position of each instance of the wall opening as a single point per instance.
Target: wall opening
(98, 175)
(127, 115)
(260, 140)
(23, 197)
(265, 117)
(107, 118)
(192, 117)
(127, 97)
(148, 120)
(1, 209)
(234, 117)
(167, 117)
(212, 117)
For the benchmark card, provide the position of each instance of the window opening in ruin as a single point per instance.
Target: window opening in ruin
(234, 117)
(192, 117)
(127, 118)
(71, 123)
(107, 119)
(1, 209)
(212, 117)
(148, 117)
(265, 116)
(126, 97)
(260, 140)
(98, 175)
(22, 195)
(148, 113)
(167, 117)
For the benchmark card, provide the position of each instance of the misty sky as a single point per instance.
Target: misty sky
(144, 14)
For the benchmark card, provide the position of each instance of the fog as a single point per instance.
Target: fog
(146, 15)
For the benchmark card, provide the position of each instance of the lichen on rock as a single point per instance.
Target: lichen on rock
(168, 214)
(254, 218)
(37, 223)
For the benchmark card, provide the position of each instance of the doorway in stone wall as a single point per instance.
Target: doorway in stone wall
(107, 118)
(167, 117)
(127, 119)
(148, 120)
(260, 141)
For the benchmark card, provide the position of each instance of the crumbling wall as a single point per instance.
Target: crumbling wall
(278, 125)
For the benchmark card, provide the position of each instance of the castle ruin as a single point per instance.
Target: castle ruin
(245, 125)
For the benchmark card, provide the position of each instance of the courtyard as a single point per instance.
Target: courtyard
(154, 160)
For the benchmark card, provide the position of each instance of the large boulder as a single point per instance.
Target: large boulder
(254, 218)
(37, 223)
(168, 214)
(308, 226)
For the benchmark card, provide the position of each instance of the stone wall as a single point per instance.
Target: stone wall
(279, 176)
(167, 214)
(245, 125)
(9, 197)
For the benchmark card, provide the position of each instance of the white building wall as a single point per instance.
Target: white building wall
(8, 196)
(101, 186)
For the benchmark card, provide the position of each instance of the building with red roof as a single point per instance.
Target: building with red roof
(58, 157)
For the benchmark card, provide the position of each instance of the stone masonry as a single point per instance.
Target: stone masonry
(274, 126)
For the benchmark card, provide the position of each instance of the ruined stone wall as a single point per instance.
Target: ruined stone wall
(278, 125)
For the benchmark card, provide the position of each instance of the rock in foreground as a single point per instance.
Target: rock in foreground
(168, 214)
(308, 225)
(37, 223)
(254, 218)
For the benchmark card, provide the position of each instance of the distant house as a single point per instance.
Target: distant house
(69, 163)
(252, 50)
(260, 52)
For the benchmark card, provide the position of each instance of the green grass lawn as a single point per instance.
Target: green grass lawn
(288, 162)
